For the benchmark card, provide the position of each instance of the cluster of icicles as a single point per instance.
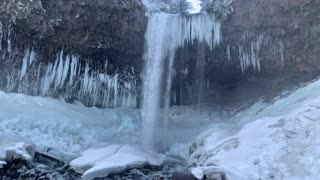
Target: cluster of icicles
(96, 89)
(65, 76)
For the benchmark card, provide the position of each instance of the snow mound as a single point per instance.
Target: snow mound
(101, 161)
(15, 147)
(64, 130)
(285, 145)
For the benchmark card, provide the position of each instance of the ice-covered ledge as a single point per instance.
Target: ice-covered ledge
(99, 162)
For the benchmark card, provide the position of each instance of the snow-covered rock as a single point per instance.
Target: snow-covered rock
(101, 161)
(2, 163)
(15, 147)
(283, 143)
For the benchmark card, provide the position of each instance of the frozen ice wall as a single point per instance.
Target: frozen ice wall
(165, 33)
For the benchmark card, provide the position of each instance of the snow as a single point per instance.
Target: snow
(64, 130)
(101, 161)
(277, 141)
(15, 147)
(196, 6)
(198, 173)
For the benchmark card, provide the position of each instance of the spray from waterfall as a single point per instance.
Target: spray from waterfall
(165, 33)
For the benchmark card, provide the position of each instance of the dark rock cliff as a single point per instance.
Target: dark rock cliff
(97, 31)
(268, 47)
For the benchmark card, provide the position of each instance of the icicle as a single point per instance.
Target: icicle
(65, 70)
(115, 89)
(281, 49)
(9, 48)
(59, 73)
(38, 74)
(86, 79)
(1, 35)
(228, 52)
(32, 56)
(74, 66)
(24, 64)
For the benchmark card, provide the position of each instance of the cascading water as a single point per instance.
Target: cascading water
(165, 33)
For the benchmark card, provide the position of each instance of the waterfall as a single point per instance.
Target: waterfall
(165, 33)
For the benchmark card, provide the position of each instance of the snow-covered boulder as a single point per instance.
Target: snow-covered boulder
(99, 162)
(2, 163)
(15, 147)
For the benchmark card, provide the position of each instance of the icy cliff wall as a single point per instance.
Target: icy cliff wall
(82, 49)
(267, 47)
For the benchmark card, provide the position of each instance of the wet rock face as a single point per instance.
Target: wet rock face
(106, 37)
(90, 28)
(267, 47)
(288, 35)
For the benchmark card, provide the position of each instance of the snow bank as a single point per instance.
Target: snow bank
(283, 142)
(15, 147)
(64, 130)
(101, 161)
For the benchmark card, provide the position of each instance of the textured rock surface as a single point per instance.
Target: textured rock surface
(282, 36)
(95, 30)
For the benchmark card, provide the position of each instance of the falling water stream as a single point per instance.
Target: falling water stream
(165, 33)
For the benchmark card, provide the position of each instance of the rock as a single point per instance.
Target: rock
(14, 147)
(183, 176)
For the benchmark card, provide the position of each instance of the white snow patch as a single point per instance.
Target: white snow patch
(198, 173)
(63, 129)
(282, 143)
(101, 161)
(15, 147)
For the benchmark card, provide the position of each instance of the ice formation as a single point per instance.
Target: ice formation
(27, 60)
(281, 49)
(9, 48)
(54, 125)
(99, 162)
(250, 57)
(97, 89)
(165, 33)
(1, 35)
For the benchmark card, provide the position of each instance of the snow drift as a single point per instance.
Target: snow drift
(282, 143)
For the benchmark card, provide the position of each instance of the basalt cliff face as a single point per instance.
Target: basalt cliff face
(101, 40)
(267, 46)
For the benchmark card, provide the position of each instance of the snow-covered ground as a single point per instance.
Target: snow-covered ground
(99, 162)
(277, 141)
(62, 129)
